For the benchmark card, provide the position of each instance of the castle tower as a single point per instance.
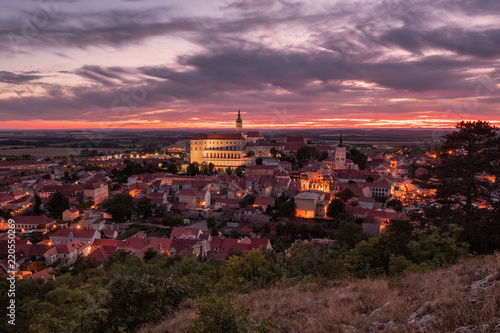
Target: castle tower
(239, 124)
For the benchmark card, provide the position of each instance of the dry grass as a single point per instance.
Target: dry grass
(445, 298)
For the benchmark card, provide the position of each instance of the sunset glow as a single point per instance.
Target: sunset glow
(285, 64)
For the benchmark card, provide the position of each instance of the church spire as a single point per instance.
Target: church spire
(239, 123)
(341, 142)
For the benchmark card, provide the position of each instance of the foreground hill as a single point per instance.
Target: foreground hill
(462, 298)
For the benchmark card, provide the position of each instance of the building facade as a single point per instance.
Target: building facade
(222, 150)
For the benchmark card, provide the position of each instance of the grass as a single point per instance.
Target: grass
(445, 299)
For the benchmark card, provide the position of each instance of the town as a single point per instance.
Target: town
(224, 194)
(250, 166)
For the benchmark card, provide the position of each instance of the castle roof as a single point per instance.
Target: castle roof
(236, 136)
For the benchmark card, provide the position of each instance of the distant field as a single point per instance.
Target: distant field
(392, 143)
(50, 151)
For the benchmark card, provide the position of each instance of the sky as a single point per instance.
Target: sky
(70, 64)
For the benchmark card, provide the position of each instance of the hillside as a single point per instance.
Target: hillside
(462, 298)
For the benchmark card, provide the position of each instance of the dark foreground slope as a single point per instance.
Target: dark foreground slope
(462, 298)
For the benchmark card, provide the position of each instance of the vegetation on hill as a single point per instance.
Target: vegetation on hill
(462, 298)
(127, 292)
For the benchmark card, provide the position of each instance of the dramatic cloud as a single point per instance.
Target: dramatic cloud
(9, 77)
(291, 63)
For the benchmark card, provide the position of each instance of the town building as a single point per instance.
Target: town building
(70, 214)
(66, 236)
(25, 223)
(223, 150)
(310, 205)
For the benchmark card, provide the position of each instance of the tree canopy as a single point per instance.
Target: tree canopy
(120, 206)
(57, 204)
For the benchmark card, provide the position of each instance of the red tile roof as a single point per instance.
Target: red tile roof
(218, 137)
(110, 242)
(253, 134)
(77, 233)
(102, 252)
(184, 232)
(34, 220)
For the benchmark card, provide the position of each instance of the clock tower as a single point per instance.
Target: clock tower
(239, 124)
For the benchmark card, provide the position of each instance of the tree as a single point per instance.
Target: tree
(83, 263)
(350, 233)
(465, 155)
(336, 207)
(396, 204)
(229, 171)
(134, 299)
(370, 179)
(204, 168)
(306, 153)
(239, 171)
(37, 266)
(396, 237)
(358, 158)
(249, 266)
(459, 175)
(173, 220)
(366, 259)
(304, 231)
(57, 204)
(37, 210)
(247, 200)
(145, 207)
(149, 254)
(317, 231)
(193, 169)
(304, 259)
(211, 222)
(85, 205)
(323, 155)
(432, 248)
(290, 231)
(274, 152)
(344, 194)
(259, 160)
(120, 206)
(250, 153)
(211, 168)
(160, 211)
(173, 168)
(287, 208)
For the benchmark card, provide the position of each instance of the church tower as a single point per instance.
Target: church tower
(239, 124)
(340, 154)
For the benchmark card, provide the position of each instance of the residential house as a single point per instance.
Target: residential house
(65, 236)
(194, 198)
(70, 214)
(310, 204)
(24, 223)
(381, 187)
(96, 191)
(185, 233)
(66, 252)
(263, 202)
